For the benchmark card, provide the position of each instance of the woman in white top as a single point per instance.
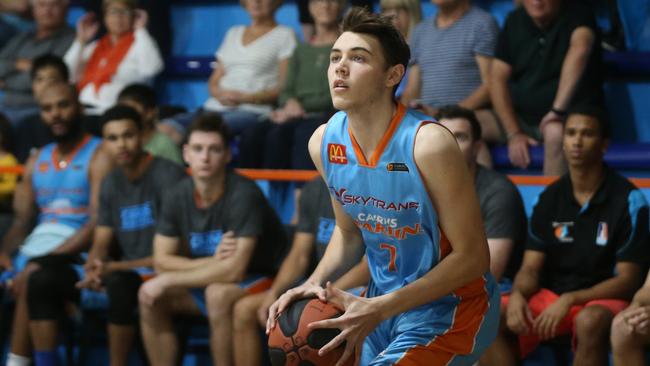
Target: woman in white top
(251, 65)
(126, 54)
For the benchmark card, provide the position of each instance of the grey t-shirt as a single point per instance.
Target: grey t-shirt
(316, 216)
(503, 213)
(18, 84)
(447, 56)
(131, 208)
(242, 208)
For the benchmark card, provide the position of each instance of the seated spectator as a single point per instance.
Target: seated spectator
(405, 14)
(307, 22)
(59, 189)
(312, 235)
(142, 98)
(10, 8)
(630, 333)
(281, 141)
(129, 203)
(126, 54)
(192, 275)
(251, 65)
(451, 55)
(32, 134)
(548, 59)
(52, 35)
(7, 180)
(587, 245)
(502, 208)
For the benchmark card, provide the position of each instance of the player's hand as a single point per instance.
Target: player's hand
(360, 318)
(518, 149)
(547, 322)
(518, 315)
(638, 319)
(227, 245)
(153, 289)
(307, 289)
(93, 272)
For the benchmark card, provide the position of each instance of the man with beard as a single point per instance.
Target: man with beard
(59, 190)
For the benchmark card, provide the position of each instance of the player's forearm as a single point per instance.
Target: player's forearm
(452, 273)
(359, 275)
(78, 242)
(619, 287)
(131, 264)
(14, 237)
(222, 271)
(169, 263)
(339, 257)
(526, 282)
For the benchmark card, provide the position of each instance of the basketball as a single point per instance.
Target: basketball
(291, 343)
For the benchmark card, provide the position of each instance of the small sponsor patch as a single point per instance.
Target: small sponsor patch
(397, 167)
(336, 154)
(43, 167)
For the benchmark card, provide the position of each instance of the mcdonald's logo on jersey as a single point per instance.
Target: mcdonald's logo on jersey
(336, 154)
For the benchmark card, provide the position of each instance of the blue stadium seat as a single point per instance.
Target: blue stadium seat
(635, 16)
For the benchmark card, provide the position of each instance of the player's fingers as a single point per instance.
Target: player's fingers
(347, 353)
(532, 141)
(335, 342)
(327, 323)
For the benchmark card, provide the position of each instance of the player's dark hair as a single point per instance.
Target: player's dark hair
(49, 60)
(139, 93)
(455, 111)
(210, 122)
(121, 112)
(596, 112)
(394, 48)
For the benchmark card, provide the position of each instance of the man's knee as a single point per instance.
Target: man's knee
(245, 313)
(122, 290)
(220, 298)
(46, 292)
(593, 323)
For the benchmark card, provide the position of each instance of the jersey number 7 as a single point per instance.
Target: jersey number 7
(393, 253)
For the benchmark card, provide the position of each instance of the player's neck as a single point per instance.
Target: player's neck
(209, 190)
(585, 180)
(369, 124)
(139, 166)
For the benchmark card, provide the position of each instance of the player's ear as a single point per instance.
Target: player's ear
(395, 75)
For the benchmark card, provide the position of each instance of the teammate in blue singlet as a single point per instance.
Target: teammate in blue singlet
(400, 190)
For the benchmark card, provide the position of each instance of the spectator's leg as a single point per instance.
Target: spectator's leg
(628, 347)
(592, 329)
(220, 299)
(122, 289)
(156, 324)
(503, 351)
(48, 290)
(554, 163)
(21, 342)
(246, 330)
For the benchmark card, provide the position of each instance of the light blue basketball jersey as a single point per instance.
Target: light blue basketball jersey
(387, 199)
(63, 191)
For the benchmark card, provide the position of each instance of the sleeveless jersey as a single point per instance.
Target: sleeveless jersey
(387, 199)
(63, 192)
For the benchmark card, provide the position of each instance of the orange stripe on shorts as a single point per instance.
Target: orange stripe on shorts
(260, 285)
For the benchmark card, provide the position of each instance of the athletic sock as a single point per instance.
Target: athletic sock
(17, 360)
(46, 358)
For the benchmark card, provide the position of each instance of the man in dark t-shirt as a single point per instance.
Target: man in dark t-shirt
(129, 203)
(194, 276)
(313, 233)
(587, 246)
(547, 60)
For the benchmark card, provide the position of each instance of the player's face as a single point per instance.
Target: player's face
(59, 109)
(123, 141)
(357, 72)
(582, 143)
(462, 131)
(207, 154)
(44, 77)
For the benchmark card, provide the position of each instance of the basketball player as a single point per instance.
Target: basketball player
(401, 187)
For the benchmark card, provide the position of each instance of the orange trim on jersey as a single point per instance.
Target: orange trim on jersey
(460, 339)
(376, 155)
(73, 153)
(260, 285)
(65, 211)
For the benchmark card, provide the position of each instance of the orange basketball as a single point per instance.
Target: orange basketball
(291, 343)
